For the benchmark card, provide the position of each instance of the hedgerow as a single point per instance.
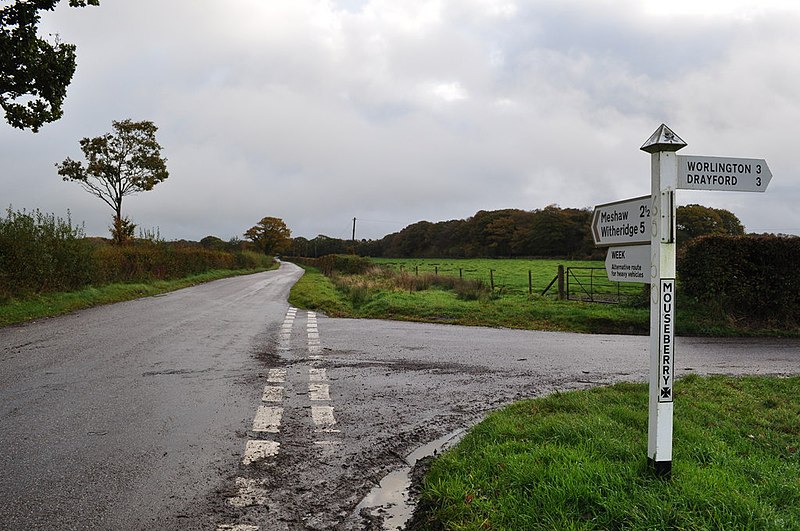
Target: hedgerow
(337, 263)
(42, 253)
(753, 278)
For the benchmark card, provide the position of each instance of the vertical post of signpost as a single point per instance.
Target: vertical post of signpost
(662, 146)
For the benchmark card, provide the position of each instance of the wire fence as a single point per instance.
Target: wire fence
(586, 284)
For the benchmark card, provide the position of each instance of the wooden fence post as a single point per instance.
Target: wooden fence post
(561, 295)
(530, 283)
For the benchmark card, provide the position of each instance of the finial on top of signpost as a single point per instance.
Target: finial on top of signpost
(664, 139)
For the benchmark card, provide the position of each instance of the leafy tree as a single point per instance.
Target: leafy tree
(34, 74)
(697, 220)
(270, 236)
(235, 244)
(214, 243)
(299, 246)
(119, 164)
(554, 231)
(322, 245)
(730, 223)
(499, 232)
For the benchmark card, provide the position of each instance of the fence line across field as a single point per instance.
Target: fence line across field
(585, 284)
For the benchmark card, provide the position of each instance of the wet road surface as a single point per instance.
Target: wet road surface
(219, 407)
(128, 415)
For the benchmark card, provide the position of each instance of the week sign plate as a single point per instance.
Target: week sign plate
(723, 174)
(628, 264)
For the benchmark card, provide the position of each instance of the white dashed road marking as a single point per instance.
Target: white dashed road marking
(323, 416)
(277, 376)
(319, 391)
(317, 375)
(269, 416)
(272, 394)
(257, 450)
(250, 493)
(268, 419)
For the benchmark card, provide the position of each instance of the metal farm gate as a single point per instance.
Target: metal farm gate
(591, 284)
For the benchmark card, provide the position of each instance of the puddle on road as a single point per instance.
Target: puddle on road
(391, 499)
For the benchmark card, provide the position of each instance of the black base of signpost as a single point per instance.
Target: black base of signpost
(663, 469)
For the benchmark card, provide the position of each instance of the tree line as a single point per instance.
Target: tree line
(550, 232)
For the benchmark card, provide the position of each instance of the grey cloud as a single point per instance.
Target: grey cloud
(394, 112)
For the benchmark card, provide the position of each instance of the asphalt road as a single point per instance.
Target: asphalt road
(124, 416)
(218, 406)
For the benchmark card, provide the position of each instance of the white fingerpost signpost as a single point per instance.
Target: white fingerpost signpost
(662, 146)
(640, 235)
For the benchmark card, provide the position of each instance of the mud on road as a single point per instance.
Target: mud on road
(393, 387)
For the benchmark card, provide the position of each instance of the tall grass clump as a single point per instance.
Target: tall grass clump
(42, 252)
(361, 288)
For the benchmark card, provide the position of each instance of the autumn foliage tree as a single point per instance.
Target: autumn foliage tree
(551, 231)
(118, 164)
(270, 236)
(698, 220)
(34, 73)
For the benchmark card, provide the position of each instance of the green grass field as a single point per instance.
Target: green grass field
(365, 297)
(510, 305)
(578, 461)
(511, 275)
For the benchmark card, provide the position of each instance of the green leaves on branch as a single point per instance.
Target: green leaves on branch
(34, 73)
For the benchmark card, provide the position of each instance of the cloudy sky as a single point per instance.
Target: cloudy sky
(395, 111)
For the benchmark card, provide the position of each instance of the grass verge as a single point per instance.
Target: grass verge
(578, 461)
(420, 292)
(315, 291)
(52, 304)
